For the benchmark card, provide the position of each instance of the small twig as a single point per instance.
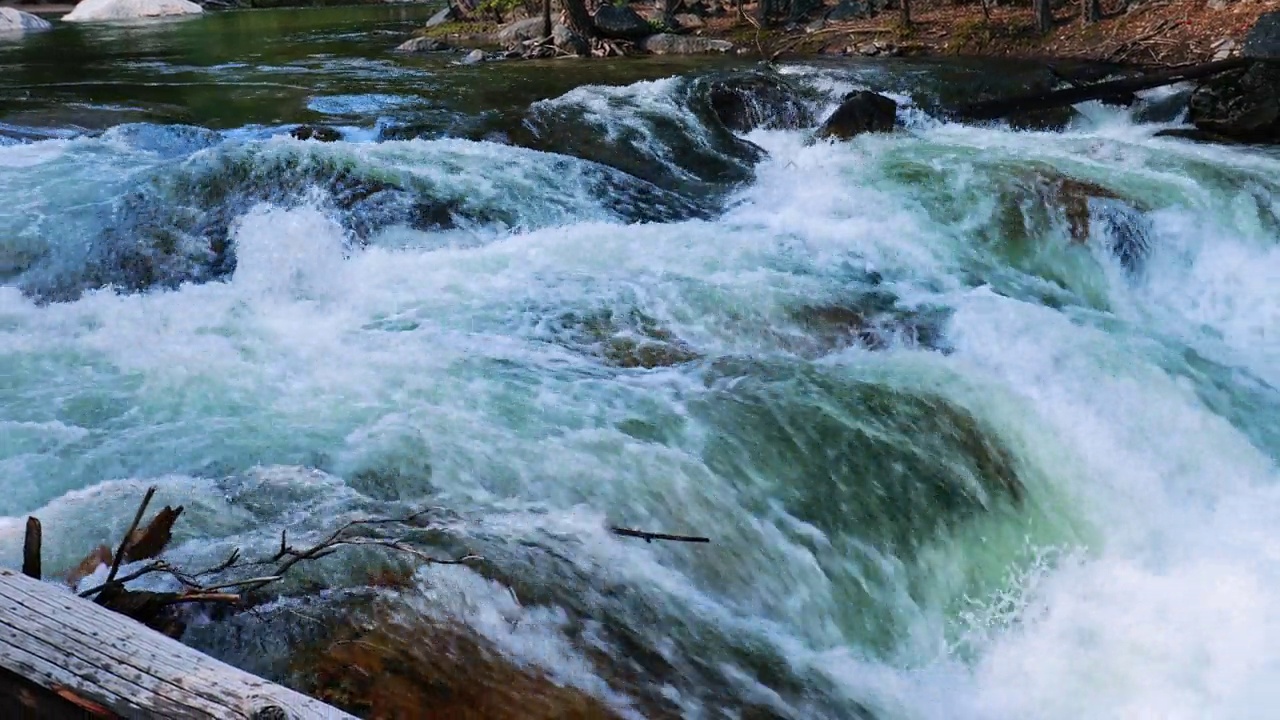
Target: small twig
(157, 566)
(124, 544)
(651, 536)
(241, 583)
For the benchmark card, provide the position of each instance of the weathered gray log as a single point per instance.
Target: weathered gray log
(82, 653)
(1003, 107)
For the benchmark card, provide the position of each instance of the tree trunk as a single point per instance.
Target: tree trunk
(546, 18)
(1044, 15)
(1003, 107)
(1092, 11)
(904, 10)
(763, 10)
(579, 19)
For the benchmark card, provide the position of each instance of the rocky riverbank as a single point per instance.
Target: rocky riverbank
(1139, 33)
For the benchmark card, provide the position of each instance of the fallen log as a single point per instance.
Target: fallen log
(63, 656)
(1004, 107)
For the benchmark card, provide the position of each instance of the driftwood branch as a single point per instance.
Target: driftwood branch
(124, 544)
(651, 536)
(1004, 107)
(155, 609)
(31, 549)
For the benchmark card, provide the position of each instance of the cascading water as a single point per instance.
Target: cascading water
(981, 422)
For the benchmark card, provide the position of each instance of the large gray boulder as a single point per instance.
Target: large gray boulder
(1263, 40)
(14, 21)
(520, 31)
(668, 44)
(1241, 105)
(109, 10)
(861, 112)
(621, 22)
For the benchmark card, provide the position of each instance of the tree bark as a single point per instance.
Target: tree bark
(1003, 107)
(546, 18)
(579, 19)
(1092, 11)
(1044, 15)
(904, 13)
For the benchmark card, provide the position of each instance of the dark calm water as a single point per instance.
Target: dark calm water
(982, 422)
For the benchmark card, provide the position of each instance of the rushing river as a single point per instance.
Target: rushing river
(961, 455)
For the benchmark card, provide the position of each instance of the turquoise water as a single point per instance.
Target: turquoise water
(954, 462)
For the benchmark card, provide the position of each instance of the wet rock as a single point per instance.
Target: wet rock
(861, 112)
(1242, 105)
(1165, 108)
(473, 57)
(745, 102)
(108, 10)
(848, 10)
(319, 133)
(668, 44)
(867, 464)
(1263, 40)
(621, 22)
(391, 670)
(1092, 210)
(568, 41)
(422, 45)
(628, 340)
(520, 31)
(14, 21)
(1196, 135)
(873, 321)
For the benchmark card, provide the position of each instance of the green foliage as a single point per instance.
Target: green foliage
(499, 7)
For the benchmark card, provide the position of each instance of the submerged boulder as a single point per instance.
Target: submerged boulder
(1242, 105)
(628, 340)
(668, 44)
(107, 10)
(319, 133)
(621, 22)
(744, 102)
(861, 112)
(874, 321)
(14, 21)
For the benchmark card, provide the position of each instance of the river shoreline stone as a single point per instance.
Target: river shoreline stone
(14, 21)
(111, 10)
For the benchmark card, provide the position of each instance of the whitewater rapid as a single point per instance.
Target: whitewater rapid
(350, 364)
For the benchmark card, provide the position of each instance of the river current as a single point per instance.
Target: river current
(961, 455)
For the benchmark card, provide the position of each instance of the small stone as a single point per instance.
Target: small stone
(473, 57)
(319, 133)
(422, 45)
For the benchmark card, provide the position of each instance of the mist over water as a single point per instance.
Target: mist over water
(956, 462)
